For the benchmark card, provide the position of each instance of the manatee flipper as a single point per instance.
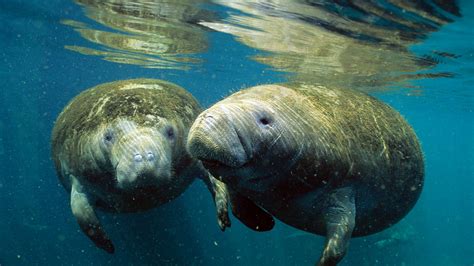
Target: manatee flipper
(339, 218)
(85, 215)
(250, 214)
(221, 199)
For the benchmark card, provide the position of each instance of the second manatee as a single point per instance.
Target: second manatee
(334, 162)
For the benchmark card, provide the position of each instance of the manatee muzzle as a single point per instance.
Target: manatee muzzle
(142, 161)
(137, 171)
(215, 141)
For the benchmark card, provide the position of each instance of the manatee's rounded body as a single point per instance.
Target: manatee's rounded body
(141, 106)
(305, 153)
(120, 146)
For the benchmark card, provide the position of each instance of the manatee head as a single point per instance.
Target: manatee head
(138, 156)
(249, 138)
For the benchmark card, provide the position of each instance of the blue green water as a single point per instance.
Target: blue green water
(39, 76)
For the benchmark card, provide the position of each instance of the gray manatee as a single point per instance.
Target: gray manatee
(337, 163)
(120, 147)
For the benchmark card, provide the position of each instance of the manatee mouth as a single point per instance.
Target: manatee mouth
(242, 176)
(212, 164)
(215, 164)
(219, 168)
(234, 156)
(128, 176)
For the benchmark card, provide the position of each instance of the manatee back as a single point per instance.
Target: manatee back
(372, 148)
(350, 139)
(138, 100)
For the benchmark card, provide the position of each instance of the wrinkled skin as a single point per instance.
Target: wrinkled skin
(337, 163)
(140, 156)
(120, 147)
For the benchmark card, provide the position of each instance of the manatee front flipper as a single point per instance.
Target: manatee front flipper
(221, 197)
(339, 218)
(250, 214)
(85, 214)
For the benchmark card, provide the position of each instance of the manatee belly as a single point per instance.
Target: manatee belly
(377, 206)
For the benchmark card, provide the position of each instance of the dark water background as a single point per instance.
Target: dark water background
(40, 73)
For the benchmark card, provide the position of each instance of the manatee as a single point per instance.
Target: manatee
(334, 162)
(120, 147)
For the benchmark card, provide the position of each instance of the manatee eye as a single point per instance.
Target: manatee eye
(264, 121)
(108, 136)
(170, 133)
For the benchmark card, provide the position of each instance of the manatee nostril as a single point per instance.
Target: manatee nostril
(208, 117)
(150, 156)
(137, 158)
(209, 120)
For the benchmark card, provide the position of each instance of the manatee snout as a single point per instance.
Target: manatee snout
(217, 142)
(142, 167)
(141, 161)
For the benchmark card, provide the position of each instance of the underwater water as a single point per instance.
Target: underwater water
(418, 58)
